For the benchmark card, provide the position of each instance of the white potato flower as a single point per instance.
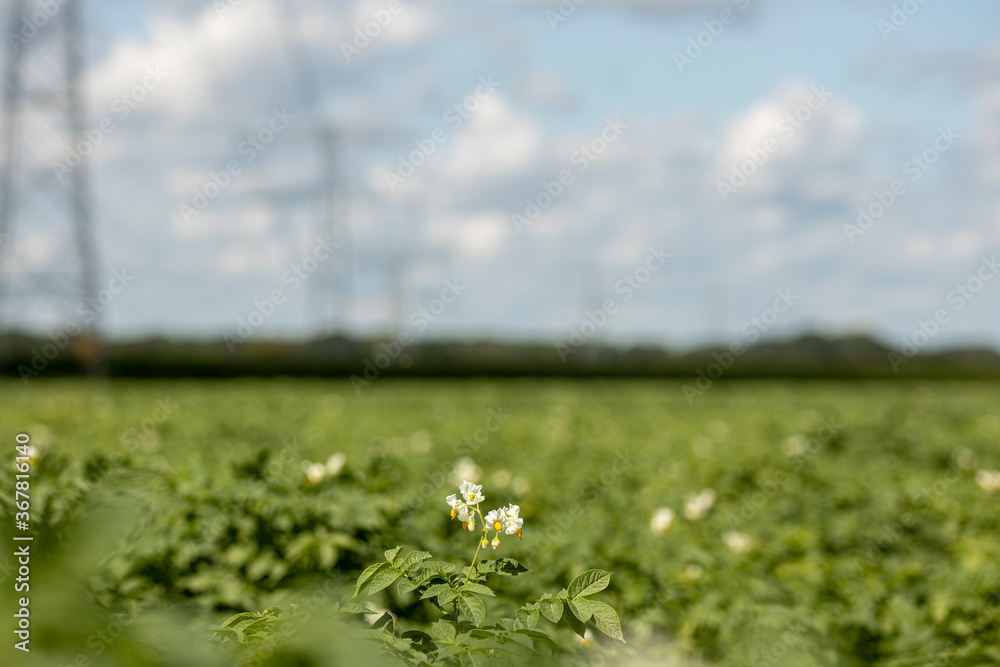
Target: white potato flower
(505, 520)
(512, 522)
(315, 473)
(988, 481)
(335, 464)
(520, 485)
(495, 520)
(459, 509)
(465, 468)
(663, 519)
(472, 494)
(737, 542)
(697, 506)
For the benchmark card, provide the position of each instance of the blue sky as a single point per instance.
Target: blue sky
(655, 185)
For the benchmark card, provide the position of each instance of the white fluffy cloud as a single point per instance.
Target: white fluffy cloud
(655, 185)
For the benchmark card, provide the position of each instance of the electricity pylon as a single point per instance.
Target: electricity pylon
(48, 254)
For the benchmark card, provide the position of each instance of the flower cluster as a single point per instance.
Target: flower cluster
(315, 472)
(697, 506)
(506, 520)
(465, 507)
(662, 519)
(738, 543)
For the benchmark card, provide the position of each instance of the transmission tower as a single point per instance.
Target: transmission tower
(346, 205)
(48, 257)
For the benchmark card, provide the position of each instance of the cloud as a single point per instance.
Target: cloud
(655, 186)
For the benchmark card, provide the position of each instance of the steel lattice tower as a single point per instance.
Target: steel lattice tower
(48, 254)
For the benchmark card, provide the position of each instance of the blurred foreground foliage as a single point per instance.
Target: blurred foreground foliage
(867, 538)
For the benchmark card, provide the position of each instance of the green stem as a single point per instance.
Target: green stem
(478, 548)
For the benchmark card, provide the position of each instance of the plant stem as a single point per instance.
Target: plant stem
(478, 548)
(474, 559)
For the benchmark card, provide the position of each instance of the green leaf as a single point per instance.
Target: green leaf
(435, 590)
(505, 566)
(354, 608)
(384, 620)
(527, 616)
(436, 568)
(485, 644)
(443, 592)
(551, 608)
(606, 620)
(523, 640)
(368, 574)
(390, 555)
(541, 637)
(414, 558)
(588, 583)
(580, 608)
(234, 620)
(472, 607)
(443, 631)
(447, 596)
(478, 588)
(420, 638)
(407, 586)
(578, 626)
(382, 579)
